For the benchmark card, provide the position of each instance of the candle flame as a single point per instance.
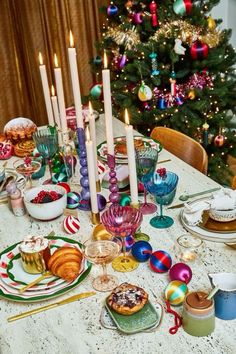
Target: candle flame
(87, 133)
(72, 44)
(53, 90)
(105, 60)
(40, 58)
(90, 108)
(126, 116)
(55, 61)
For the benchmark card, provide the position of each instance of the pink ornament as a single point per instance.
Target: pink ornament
(71, 224)
(138, 18)
(6, 150)
(181, 271)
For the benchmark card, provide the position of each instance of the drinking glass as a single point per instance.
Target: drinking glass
(122, 221)
(46, 141)
(146, 160)
(162, 185)
(189, 248)
(27, 168)
(102, 252)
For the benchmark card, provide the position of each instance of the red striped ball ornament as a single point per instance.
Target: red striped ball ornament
(71, 224)
(199, 50)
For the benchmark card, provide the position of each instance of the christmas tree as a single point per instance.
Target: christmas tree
(171, 65)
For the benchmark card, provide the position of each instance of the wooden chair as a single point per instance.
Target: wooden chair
(182, 146)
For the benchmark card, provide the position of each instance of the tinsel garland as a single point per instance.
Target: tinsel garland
(129, 39)
(187, 33)
(196, 81)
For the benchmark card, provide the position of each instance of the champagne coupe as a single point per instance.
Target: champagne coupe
(26, 168)
(122, 221)
(46, 141)
(102, 252)
(146, 160)
(162, 185)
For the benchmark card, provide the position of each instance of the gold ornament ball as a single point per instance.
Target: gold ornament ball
(205, 126)
(191, 95)
(219, 140)
(211, 23)
(129, 4)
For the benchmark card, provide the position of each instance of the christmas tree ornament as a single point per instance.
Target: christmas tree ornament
(180, 271)
(179, 100)
(173, 83)
(125, 199)
(199, 50)
(160, 261)
(211, 23)
(182, 7)
(175, 292)
(73, 200)
(144, 92)
(97, 60)
(138, 18)
(141, 251)
(192, 94)
(102, 202)
(122, 61)
(96, 91)
(64, 185)
(112, 10)
(59, 177)
(129, 4)
(162, 103)
(178, 48)
(71, 224)
(219, 140)
(205, 128)
(140, 236)
(129, 242)
(57, 162)
(153, 57)
(153, 11)
(146, 106)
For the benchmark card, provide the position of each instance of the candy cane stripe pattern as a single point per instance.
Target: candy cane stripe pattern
(71, 224)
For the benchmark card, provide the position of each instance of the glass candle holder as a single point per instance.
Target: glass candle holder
(189, 248)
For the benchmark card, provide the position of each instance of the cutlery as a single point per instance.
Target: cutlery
(185, 197)
(50, 306)
(231, 245)
(176, 206)
(163, 161)
(46, 274)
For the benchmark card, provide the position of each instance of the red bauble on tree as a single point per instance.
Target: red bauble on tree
(219, 140)
(153, 10)
(199, 50)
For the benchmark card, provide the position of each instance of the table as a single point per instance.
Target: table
(75, 328)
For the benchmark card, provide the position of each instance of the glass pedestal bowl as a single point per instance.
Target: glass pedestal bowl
(122, 221)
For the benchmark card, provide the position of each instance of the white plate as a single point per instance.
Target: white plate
(205, 234)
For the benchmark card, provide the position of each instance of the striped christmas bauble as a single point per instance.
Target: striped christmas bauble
(175, 292)
(199, 50)
(160, 261)
(73, 199)
(71, 224)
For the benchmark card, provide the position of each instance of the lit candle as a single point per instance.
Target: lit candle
(61, 101)
(44, 79)
(173, 87)
(131, 160)
(56, 114)
(108, 106)
(91, 173)
(93, 138)
(75, 83)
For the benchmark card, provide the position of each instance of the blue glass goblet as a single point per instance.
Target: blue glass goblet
(163, 187)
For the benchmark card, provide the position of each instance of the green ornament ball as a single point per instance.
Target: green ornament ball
(125, 200)
(96, 91)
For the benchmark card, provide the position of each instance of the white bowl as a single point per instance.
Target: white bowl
(45, 211)
(222, 215)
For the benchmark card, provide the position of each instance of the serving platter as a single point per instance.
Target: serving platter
(122, 158)
(209, 229)
(13, 277)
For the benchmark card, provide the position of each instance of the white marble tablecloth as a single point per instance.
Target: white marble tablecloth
(75, 328)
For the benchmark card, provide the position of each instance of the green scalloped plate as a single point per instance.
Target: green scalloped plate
(9, 287)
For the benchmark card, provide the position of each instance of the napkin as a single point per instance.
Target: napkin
(224, 199)
(193, 213)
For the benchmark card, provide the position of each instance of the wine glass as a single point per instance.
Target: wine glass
(146, 160)
(46, 141)
(162, 185)
(102, 252)
(122, 221)
(27, 168)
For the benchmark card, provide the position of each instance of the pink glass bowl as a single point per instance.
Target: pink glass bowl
(121, 221)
